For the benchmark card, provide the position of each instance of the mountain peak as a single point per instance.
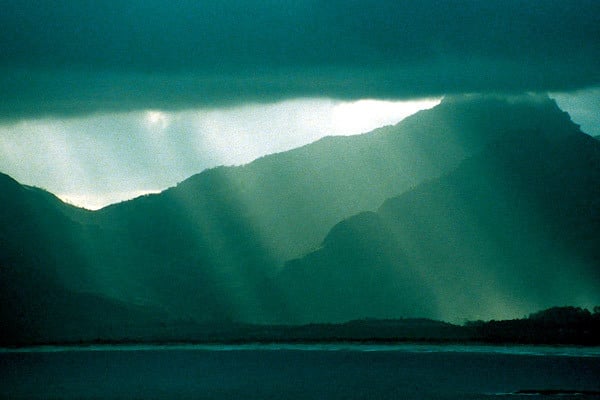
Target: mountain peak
(506, 115)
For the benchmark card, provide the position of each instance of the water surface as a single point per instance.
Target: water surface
(335, 371)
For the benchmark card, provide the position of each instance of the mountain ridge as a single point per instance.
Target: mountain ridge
(484, 225)
(217, 247)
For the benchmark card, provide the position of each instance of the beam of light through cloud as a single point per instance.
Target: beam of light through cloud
(101, 159)
(157, 119)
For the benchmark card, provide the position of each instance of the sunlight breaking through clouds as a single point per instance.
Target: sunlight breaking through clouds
(157, 119)
(108, 158)
(101, 159)
(366, 115)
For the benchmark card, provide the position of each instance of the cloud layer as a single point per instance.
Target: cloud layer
(63, 57)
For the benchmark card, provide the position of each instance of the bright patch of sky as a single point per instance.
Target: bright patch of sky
(97, 160)
(584, 108)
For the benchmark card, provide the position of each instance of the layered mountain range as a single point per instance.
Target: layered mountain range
(482, 207)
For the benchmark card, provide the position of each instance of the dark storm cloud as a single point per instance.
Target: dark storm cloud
(71, 57)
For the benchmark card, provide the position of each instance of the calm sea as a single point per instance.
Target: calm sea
(300, 372)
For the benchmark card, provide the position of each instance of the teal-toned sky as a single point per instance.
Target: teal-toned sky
(103, 100)
(73, 57)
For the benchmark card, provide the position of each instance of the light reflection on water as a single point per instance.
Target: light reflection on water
(538, 350)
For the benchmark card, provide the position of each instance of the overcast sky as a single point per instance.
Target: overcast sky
(73, 57)
(101, 100)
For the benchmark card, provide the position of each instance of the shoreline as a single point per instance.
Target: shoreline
(408, 347)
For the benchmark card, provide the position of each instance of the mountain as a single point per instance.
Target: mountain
(214, 248)
(40, 258)
(38, 237)
(209, 247)
(291, 199)
(512, 229)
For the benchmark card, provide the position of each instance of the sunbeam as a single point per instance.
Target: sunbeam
(97, 160)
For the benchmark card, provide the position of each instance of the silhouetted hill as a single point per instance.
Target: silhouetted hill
(41, 311)
(556, 325)
(514, 228)
(40, 258)
(36, 235)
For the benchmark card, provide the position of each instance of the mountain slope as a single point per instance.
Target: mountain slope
(513, 229)
(208, 249)
(291, 199)
(210, 245)
(36, 233)
(40, 258)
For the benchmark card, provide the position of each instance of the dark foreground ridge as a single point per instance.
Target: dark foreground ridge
(554, 326)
